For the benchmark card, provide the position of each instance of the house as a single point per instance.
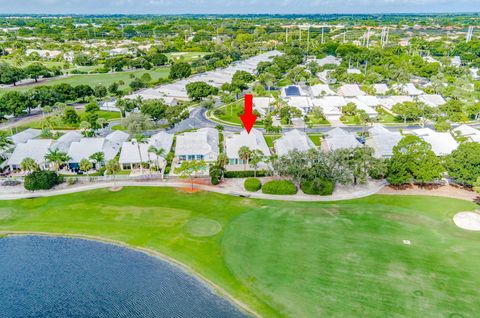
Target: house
(362, 106)
(293, 91)
(133, 154)
(63, 143)
(408, 89)
(391, 101)
(320, 90)
(456, 61)
(253, 140)
(35, 149)
(25, 136)
(44, 54)
(380, 89)
(198, 145)
(353, 71)
(85, 147)
(328, 60)
(330, 110)
(468, 132)
(263, 104)
(338, 138)
(371, 101)
(303, 103)
(382, 141)
(432, 100)
(442, 143)
(350, 90)
(293, 140)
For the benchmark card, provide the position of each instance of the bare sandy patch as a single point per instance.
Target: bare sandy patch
(467, 220)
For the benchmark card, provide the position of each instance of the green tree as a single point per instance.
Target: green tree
(413, 161)
(29, 165)
(463, 164)
(189, 169)
(180, 70)
(158, 153)
(199, 90)
(70, 116)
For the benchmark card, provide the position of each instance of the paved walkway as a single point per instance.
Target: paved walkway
(230, 187)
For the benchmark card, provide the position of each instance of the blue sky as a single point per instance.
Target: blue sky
(236, 6)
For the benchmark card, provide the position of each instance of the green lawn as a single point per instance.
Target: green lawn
(270, 139)
(186, 56)
(316, 139)
(231, 113)
(295, 259)
(95, 79)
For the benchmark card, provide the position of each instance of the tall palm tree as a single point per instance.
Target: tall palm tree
(141, 139)
(256, 157)
(158, 152)
(57, 157)
(98, 158)
(244, 154)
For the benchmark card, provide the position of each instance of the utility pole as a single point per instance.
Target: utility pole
(308, 39)
(469, 34)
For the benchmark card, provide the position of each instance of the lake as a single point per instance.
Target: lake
(67, 277)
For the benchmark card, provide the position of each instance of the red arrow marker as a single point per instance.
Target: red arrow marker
(248, 118)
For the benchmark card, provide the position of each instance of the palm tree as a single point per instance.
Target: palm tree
(141, 139)
(5, 142)
(244, 154)
(57, 157)
(85, 165)
(28, 164)
(98, 158)
(158, 152)
(112, 167)
(222, 160)
(256, 157)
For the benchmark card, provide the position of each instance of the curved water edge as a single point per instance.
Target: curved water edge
(240, 309)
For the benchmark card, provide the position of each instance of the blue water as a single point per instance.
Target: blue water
(62, 277)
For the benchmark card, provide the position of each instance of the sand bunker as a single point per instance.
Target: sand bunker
(467, 220)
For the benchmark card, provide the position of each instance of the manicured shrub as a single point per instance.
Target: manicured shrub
(42, 180)
(317, 186)
(284, 187)
(244, 174)
(252, 184)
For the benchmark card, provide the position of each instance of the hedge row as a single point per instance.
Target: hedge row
(280, 187)
(42, 180)
(317, 187)
(252, 184)
(244, 174)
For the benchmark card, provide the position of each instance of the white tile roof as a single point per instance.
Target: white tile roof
(293, 140)
(201, 142)
(335, 132)
(25, 135)
(408, 89)
(442, 143)
(383, 143)
(341, 142)
(350, 90)
(34, 148)
(362, 106)
(254, 141)
(130, 154)
(432, 100)
(368, 100)
(321, 90)
(380, 89)
(466, 130)
(328, 60)
(86, 147)
(63, 143)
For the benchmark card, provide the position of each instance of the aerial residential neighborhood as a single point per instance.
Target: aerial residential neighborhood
(228, 159)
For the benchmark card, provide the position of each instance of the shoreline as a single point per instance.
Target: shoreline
(216, 289)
